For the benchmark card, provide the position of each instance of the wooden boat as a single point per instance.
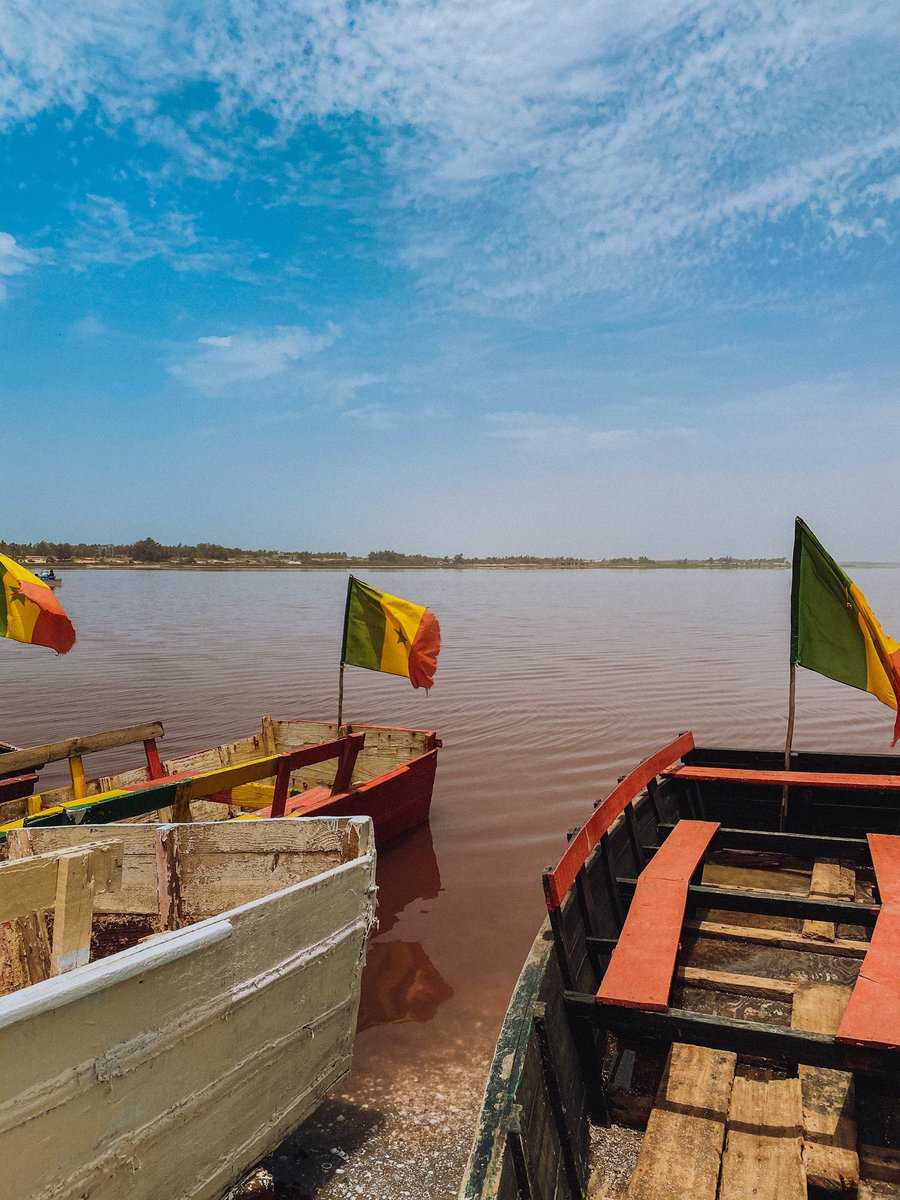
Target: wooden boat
(217, 1009)
(13, 784)
(712, 1008)
(367, 770)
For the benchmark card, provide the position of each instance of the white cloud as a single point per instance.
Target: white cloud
(534, 149)
(221, 362)
(14, 260)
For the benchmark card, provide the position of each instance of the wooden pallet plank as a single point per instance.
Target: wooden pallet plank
(763, 1143)
(829, 1104)
(737, 985)
(682, 1147)
(73, 912)
(830, 881)
(777, 938)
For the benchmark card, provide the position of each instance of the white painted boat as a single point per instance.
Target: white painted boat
(170, 1067)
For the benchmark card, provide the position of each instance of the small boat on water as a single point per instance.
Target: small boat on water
(194, 1002)
(290, 768)
(711, 1010)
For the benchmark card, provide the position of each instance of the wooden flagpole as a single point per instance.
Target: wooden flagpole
(343, 653)
(792, 695)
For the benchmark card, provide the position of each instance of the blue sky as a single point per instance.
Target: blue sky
(489, 276)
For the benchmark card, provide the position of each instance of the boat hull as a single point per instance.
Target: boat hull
(545, 1086)
(392, 780)
(179, 1063)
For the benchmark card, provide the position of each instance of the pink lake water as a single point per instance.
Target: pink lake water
(550, 685)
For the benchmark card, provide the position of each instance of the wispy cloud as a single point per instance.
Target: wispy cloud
(14, 260)
(543, 433)
(89, 327)
(532, 151)
(217, 362)
(109, 234)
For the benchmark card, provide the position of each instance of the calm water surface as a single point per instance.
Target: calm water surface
(550, 685)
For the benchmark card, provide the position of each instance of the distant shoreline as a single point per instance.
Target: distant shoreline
(473, 565)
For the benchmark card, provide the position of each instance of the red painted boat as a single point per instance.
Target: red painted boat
(290, 767)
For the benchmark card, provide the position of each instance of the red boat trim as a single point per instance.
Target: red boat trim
(558, 881)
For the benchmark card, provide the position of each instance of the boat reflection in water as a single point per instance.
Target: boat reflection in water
(400, 982)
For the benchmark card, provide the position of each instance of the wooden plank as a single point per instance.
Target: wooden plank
(27, 886)
(885, 851)
(880, 1163)
(777, 938)
(38, 756)
(558, 881)
(763, 1143)
(73, 912)
(829, 1128)
(829, 880)
(811, 779)
(682, 1146)
(737, 985)
(829, 1107)
(168, 878)
(819, 1007)
(640, 970)
(872, 1017)
(26, 939)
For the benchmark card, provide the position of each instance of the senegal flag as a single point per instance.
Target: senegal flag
(384, 633)
(29, 611)
(833, 630)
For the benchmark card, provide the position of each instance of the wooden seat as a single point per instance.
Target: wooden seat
(810, 779)
(872, 1018)
(643, 963)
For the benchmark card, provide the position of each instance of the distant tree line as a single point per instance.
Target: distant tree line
(149, 550)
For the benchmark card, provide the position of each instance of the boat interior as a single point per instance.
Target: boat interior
(339, 759)
(69, 896)
(712, 1009)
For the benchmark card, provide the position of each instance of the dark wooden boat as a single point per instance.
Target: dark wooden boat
(712, 1008)
(289, 768)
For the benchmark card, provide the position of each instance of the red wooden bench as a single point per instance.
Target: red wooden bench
(812, 779)
(558, 881)
(642, 965)
(872, 1018)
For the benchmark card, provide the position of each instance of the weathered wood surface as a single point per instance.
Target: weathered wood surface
(194, 1054)
(784, 939)
(829, 881)
(682, 1146)
(36, 756)
(829, 1105)
(222, 864)
(763, 1141)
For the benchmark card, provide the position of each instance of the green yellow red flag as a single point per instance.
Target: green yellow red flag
(833, 629)
(30, 612)
(384, 633)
